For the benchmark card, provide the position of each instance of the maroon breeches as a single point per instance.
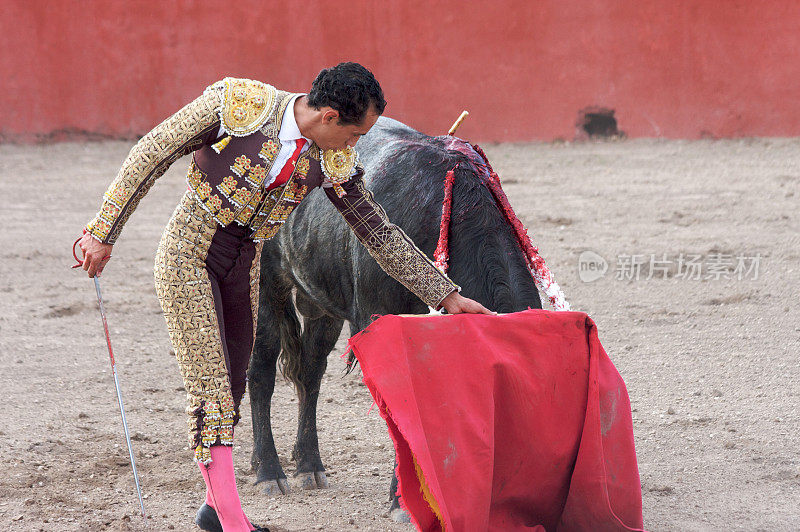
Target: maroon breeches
(228, 264)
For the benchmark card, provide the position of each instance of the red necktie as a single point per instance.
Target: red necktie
(288, 168)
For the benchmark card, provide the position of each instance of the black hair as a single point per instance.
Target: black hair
(350, 89)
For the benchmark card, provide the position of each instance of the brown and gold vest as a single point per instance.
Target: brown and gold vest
(228, 176)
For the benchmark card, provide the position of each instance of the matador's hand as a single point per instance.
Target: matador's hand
(95, 254)
(455, 303)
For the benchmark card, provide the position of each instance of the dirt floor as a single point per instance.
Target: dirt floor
(710, 363)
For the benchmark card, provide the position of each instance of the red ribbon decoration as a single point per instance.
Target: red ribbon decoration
(442, 256)
(536, 265)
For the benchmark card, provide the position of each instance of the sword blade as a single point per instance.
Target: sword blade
(119, 395)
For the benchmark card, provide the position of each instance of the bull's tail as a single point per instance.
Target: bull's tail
(278, 335)
(291, 346)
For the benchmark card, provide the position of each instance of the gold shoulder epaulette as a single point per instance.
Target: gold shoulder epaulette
(246, 105)
(338, 166)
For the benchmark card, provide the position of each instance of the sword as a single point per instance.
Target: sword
(116, 379)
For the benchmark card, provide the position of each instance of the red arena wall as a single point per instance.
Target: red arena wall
(524, 69)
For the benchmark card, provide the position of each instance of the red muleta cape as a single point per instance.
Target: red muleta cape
(512, 422)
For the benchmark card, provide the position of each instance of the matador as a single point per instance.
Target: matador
(256, 153)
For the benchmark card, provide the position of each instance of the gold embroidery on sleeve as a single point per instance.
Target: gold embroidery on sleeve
(149, 159)
(396, 253)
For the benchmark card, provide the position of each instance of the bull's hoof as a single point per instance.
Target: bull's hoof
(398, 515)
(322, 480)
(275, 487)
(312, 481)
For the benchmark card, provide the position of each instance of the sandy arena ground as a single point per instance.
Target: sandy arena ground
(710, 364)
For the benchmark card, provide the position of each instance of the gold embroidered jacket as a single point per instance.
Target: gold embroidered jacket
(227, 177)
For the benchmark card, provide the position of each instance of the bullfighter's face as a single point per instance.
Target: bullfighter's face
(335, 136)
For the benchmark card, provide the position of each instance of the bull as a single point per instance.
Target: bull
(334, 279)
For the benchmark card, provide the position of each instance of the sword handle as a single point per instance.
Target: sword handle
(75, 253)
(79, 261)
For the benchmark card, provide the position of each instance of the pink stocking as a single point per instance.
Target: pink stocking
(221, 492)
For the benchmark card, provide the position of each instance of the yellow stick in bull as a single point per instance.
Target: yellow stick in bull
(457, 123)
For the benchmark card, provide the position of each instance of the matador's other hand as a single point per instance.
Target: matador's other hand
(455, 303)
(95, 254)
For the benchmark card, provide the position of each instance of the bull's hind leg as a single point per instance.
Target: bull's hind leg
(320, 332)
(395, 511)
(276, 315)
